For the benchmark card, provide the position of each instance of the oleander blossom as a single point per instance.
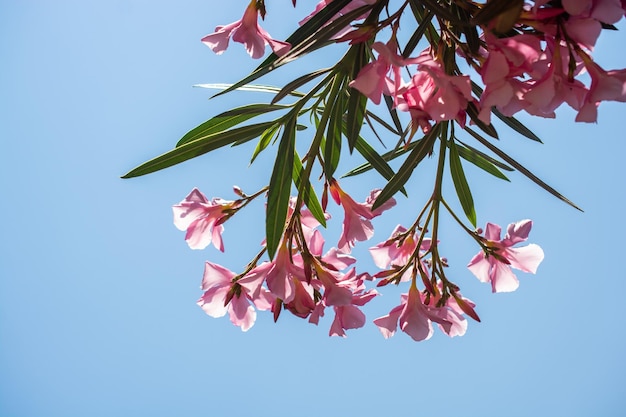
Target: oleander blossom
(248, 32)
(202, 219)
(415, 316)
(222, 295)
(356, 222)
(495, 265)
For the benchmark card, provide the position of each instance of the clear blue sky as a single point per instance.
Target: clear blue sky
(98, 289)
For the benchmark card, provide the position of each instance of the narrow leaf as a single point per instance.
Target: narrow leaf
(406, 170)
(503, 155)
(516, 125)
(308, 192)
(280, 188)
(417, 35)
(298, 82)
(460, 183)
(393, 113)
(355, 113)
(388, 156)
(199, 147)
(228, 119)
(380, 121)
(332, 148)
(264, 141)
(494, 161)
(482, 163)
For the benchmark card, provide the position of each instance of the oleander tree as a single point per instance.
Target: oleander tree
(425, 78)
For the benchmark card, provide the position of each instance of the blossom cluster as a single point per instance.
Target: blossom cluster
(533, 68)
(530, 56)
(304, 280)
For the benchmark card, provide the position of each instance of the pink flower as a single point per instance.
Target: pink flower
(248, 32)
(202, 219)
(357, 216)
(347, 316)
(507, 59)
(434, 95)
(394, 252)
(222, 295)
(606, 11)
(415, 318)
(495, 265)
(605, 85)
(548, 93)
(373, 80)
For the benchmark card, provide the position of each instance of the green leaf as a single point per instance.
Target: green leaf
(355, 113)
(460, 183)
(417, 35)
(264, 141)
(228, 119)
(199, 147)
(393, 113)
(357, 102)
(406, 170)
(332, 147)
(440, 11)
(477, 159)
(503, 155)
(388, 156)
(494, 161)
(280, 188)
(516, 125)
(384, 124)
(307, 191)
(322, 37)
(298, 82)
(374, 160)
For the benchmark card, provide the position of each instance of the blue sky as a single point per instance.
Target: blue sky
(98, 288)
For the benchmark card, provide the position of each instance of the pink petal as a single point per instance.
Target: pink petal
(517, 232)
(216, 275)
(241, 313)
(218, 41)
(480, 267)
(389, 323)
(492, 232)
(526, 258)
(502, 278)
(212, 301)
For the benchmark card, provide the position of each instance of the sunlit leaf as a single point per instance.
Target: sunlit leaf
(228, 119)
(264, 141)
(199, 147)
(307, 191)
(477, 159)
(406, 170)
(280, 188)
(492, 160)
(460, 183)
(298, 82)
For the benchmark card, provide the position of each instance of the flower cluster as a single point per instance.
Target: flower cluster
(301, 278)
(304, 280)
(530, 56)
